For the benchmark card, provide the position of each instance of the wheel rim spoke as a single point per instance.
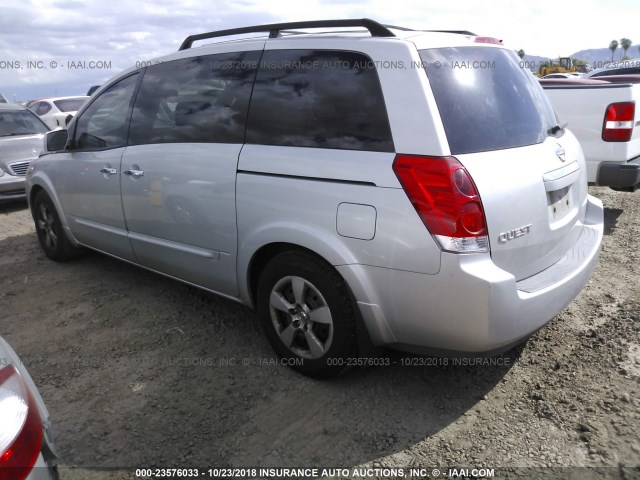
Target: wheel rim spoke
(287, 335)
(315, 346)
(321, 315)
(297, 285)
(278, 302)
(52, 238)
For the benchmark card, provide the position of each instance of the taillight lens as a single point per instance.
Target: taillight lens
(446, 199)
(618, 122)
(20, 427)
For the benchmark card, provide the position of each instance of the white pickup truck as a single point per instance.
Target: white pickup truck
(604, 115)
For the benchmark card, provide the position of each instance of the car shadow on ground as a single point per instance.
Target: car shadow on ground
(11, 206)
(137, 369)
(611, 219)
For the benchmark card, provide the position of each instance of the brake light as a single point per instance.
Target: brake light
(21, 427)
(618, 122)
(446, 199)
(493, 40)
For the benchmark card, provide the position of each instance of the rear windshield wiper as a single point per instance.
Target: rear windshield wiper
(557, 128)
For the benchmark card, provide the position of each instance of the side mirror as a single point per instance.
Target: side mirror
(68, 119)
(56, 140)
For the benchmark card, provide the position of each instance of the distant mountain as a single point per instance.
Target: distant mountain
(598, 57)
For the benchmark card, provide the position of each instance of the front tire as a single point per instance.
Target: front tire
(307, 314)
(51, 234)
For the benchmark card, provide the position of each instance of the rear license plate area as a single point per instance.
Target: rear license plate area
(560, 204)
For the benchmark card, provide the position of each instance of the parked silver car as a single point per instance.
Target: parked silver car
(21, 140)
(403, 188)
(27, 448)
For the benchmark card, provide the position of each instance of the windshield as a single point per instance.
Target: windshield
(2, 99)
(69, 105)
(486, 101)
(20, 122)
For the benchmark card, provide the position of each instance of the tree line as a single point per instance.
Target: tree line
(625, 43)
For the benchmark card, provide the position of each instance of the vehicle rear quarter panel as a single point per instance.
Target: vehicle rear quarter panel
(302, 210)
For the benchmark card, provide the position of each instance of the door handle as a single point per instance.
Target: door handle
(108, 170)
(134, 173)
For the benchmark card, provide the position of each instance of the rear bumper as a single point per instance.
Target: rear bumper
(620, 175)
(471, 305)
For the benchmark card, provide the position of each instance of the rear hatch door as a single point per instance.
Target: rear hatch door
(528, 170)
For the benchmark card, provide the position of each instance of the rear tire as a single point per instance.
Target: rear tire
(307, 314)
(51, 234)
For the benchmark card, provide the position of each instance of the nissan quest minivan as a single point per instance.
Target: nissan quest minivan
(356, 186)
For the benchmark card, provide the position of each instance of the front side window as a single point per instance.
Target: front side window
(194, 100)
(105, 122)
(321, 99)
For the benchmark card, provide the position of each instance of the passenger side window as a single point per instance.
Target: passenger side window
(321, 99)
(105, 122)
(195, 100)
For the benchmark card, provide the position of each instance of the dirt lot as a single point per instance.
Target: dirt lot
(138, 370)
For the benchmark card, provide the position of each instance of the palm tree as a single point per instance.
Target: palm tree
(625, 43)
(613, 46)
(520, 53)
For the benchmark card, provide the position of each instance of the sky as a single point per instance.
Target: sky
(62, 47)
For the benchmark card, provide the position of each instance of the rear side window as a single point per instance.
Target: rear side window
(41, 108)
(321, 99)
(69, 105)
(194, 100)
(486, 101)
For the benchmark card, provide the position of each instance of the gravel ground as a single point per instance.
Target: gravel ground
(138, 371)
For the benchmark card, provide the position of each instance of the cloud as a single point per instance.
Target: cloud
(120, 33)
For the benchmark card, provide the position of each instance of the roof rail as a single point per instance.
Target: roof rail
(274, 29)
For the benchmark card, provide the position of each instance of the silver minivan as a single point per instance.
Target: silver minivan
(378, 186)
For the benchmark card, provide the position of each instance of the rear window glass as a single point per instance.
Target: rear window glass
(69, 105)
(20, 122)
(618, 71)
(320, 99)
(486, 101)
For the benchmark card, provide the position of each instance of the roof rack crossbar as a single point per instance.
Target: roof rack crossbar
(376, 29)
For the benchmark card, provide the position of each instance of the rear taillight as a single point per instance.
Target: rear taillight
(618, 122)
(446, 199)
(20, 427)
